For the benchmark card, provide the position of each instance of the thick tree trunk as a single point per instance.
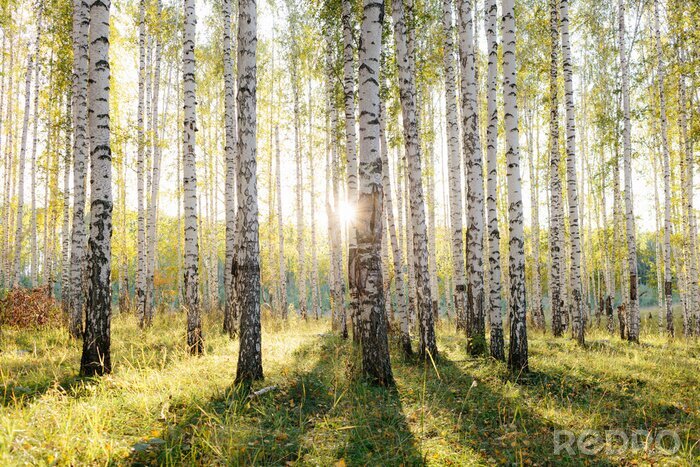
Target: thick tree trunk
(399, 273)
(407, 91)
(195, 342)
(246, 261)
(476, 340)
(494, 237)
(633, 311)
(517, 355)
(96, 340)
(576, 306)
(367, 272)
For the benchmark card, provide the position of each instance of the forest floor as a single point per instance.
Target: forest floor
(161, 406)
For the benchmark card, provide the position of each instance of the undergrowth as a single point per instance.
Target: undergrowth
(161, 406)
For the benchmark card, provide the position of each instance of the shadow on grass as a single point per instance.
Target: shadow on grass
(317, 414)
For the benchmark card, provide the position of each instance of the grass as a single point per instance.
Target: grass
(161, 406)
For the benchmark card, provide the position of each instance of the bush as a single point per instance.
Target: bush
(27, 308)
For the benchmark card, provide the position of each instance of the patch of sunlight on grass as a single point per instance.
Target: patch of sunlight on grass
(162, 406)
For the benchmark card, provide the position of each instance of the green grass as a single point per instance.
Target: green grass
(161, 406)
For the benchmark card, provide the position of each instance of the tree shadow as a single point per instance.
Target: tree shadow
(318, 412)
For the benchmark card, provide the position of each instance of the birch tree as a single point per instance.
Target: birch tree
(230, 318)
(454, 170)
(350, 151)
(633, 311)
(376, 365)
(517, 354)
(476, 341)
(407, 92)
(195, 341)
(668, 298)
(140, 290)
(246, 261)
(494, 237)
(571, 182)
(96, 358)
(556, 220)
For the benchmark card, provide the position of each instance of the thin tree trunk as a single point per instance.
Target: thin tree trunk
(96, 341)
(633, 312)
(315, 308)
(517, 355)
(65, 229)
(453, 159)
(476, 340)
(494, 236)
(399, 273)
(17, 271)
(576, 305)
(37, 70)
(155, 180)
(351, 154)
(140, 167)
(407, 91)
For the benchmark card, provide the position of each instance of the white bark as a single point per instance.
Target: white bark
(35, 126)
(246, 262)
(16, 275)
(633, 311)
(195, 342)
(494, 236)
(230, 320)
(407, 91)
(475, 183)
(577, 298)
(376, 365)
(96, 340)
(518, 355)
(140, 291)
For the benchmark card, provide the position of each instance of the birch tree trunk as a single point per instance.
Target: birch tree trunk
(6, 262)
(397, 256)
(65, 229)
(517, 355)
(140, 168)
(195, 342)
(476, 340)
(246, 261)
(280, 229)
(453, 159)
(407, 91)
(556, 221)
(96, 340)
(34, 262)
(633, 312)
(230, 318)
(155, 177)
(533, 161)
(16, 275)
(668, 297)
(351, 154)
(494, 237)
(577, 298)
(694, 292)
(376, 365)
(315, 308)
